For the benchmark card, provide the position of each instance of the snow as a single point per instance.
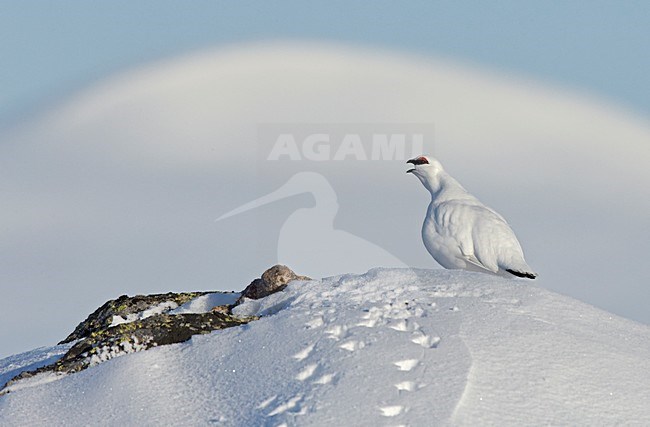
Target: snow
(205, 303)
(107, 352)
(389, 347)
(30, 360)
(39, 379)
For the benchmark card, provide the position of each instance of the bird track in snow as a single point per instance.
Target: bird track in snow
(406, 386)
(314, 323)
(368, 323)
(391, 411)
(307, 372)
(304, 353)
(425, 340)
(400, 325)
(337, 332)
(289, 405)
(352, 345)
(325, 379)
(267, 402)
(407, 364)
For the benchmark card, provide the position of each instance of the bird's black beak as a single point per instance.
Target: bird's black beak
(412, 161)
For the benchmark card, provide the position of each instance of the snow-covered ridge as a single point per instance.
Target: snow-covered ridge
(388, 347)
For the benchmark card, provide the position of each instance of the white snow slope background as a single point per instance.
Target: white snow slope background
(388, 347)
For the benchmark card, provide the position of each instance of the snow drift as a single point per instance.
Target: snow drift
(389, 347)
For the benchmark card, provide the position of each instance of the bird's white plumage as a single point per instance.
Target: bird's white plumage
(462, 233)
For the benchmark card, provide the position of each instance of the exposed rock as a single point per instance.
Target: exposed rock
(273, 280)
(123, 306)
(131, 324)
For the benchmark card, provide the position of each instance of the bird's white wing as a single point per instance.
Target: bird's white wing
(471, 258)
(479, 231)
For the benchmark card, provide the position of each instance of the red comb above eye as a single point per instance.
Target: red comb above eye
(419, 161)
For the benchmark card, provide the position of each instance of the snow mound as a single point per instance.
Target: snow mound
(392, 346)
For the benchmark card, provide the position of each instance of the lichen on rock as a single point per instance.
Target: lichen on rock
(124, 306)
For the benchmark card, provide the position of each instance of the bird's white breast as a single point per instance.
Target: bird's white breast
(444, 249)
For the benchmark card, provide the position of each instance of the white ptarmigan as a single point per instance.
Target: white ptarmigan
(460, 232)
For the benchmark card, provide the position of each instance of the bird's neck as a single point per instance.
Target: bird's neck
(443, 187)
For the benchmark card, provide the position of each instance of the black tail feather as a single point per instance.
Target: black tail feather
(522, 274)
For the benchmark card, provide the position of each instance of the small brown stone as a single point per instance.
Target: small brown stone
(273, 280)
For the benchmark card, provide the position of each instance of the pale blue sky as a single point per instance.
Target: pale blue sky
(50, 49)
